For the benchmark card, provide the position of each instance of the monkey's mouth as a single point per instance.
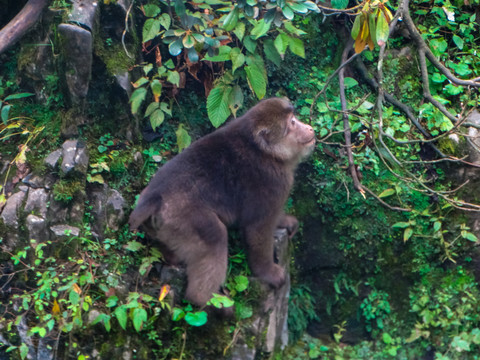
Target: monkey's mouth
(311, 141)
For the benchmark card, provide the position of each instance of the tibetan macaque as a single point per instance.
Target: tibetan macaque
(241, 174)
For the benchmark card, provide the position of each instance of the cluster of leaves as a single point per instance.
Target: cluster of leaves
(371, 25)
(237, 39)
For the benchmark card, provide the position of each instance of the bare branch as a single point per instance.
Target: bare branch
(20, 24)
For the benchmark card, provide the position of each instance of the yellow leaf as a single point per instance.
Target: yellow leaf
(55, 308)
(163, 292)
(77, 289)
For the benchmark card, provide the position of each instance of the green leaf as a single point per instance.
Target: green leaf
(221, 301)
(250, 44)
(165, 20)
(407, 234)
(140, 82)
(241, 283)
(256, 81)
(156, 119)
(156, 87)
(453, 90)
(437, 225)
(298, 7)
(183, 139)
(5, 112)
(121, 315)
(271, 52)
(288, 12)
(134, 246)
(356, 27)
(469, 236)
(175, 48)
(350, 82)
(292, 29)
(151, 108)
(177, 314)
(151, 10)
(198, 318)
(297, 47)
(240, 31)
(401, 225)
(339, 4)
(230, 21)
(458, 41)
(139, 317)
(223, 54)
(281, 43)
(235, 101)
(238, 59)
(188, 41)
(260, 29)
(217, 106)
(137, 98)
(387, 192)
(18, 96)
(382, 29)
(438, 46)
(151, 28)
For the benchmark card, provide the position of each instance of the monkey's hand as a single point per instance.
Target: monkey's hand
(290, 223)
(275, 276)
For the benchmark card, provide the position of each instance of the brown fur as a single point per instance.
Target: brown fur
(240, 174)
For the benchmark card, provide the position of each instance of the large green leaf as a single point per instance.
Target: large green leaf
(217, 105)
(230, 21)
(175, 48)
(297, 47)
(151, 28)
(137, 98)
(139, 318)
(256, 80)
(281, 43)
(260, 29)
(151, 10)
(156, 119)
(198, 318)
(121, 315)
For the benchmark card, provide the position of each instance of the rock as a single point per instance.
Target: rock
(75, 157)
(37, 228)
(243, 352)
(269, 323)
(108, 208)
(84, 13)
(123, 80)
(34, 181)
(37, 202)
(77, 46)
(10, 211)
(53, 157)
(115, 209)
(65, 230)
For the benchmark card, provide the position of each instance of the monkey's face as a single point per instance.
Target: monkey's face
(287, 139)
(299, 138)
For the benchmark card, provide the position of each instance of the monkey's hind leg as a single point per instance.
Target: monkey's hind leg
(207, 260)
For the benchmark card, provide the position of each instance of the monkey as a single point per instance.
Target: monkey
(239, 175)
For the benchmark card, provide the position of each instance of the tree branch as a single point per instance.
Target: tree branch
(20, 24)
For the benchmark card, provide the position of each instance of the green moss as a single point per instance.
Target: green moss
(114, 56)
(65, 190)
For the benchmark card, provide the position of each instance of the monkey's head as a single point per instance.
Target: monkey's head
(279, 133)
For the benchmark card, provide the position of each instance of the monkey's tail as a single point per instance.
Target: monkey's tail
(143, 211)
